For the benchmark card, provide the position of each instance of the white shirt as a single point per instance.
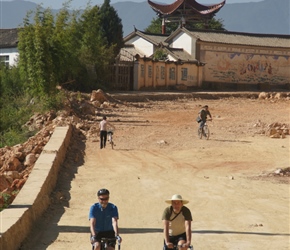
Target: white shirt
(103, 125)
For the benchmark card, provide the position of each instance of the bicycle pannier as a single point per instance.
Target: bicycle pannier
(198, 119)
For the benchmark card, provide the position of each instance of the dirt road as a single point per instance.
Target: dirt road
(234, 203)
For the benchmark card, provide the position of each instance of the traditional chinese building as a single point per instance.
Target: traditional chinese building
(185, 11)
(208, 59)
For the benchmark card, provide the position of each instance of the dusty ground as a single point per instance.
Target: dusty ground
(234, 203)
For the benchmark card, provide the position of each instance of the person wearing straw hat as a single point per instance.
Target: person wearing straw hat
(177, 223)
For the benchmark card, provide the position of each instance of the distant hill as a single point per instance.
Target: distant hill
(267, 17)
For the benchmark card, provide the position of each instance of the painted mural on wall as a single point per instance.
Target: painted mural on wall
(247, 68)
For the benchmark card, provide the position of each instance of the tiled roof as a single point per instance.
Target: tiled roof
(250, 39)
(8, 38)
(190, 6)
(180, 54)
(155, 39)
(128, 53)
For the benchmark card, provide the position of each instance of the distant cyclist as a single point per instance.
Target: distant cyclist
(103, 131)
(103, 218)
(202, 114)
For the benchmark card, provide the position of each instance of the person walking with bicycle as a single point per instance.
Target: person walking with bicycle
(103, 131)
(202, 114)
(103, 218)
(177, 224)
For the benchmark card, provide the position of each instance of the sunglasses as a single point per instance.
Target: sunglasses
(104, 199)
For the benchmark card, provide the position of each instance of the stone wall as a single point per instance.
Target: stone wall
(33, 199)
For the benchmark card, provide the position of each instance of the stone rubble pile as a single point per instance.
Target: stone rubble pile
(274, 95)
(274, 130)
(282, 172)
(16, 163)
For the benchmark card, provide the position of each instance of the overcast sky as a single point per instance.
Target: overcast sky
(80, 4)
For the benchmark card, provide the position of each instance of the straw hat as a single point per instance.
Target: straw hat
(177, 197)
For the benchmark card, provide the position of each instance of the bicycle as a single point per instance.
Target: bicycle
(105, 243)
(110, 138)
(204, 131)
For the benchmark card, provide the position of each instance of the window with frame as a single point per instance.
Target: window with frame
(4, 60)
(183, 73)
(149, 71)
(172, 73)
(162, 72)
(157, 72)
(142, 70)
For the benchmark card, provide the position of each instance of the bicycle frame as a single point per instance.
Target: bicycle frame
(110, 138)
(105, 243)
(204, 131)
(176, 248)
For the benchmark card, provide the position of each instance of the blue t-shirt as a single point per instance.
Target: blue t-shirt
(103, 216)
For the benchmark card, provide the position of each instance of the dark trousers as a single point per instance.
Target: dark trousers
(103, 137)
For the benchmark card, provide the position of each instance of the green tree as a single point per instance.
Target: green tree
(160, 54)
(212, 24)
(111, 26)
(95, 53)
(155, 26)
(35, 46)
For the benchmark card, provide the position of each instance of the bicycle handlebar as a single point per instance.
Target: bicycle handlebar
(111, 239)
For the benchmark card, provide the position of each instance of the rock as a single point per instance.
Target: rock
(12, 164)
(263, 95)
(87, 108)
(96, 104)
(277, 135)
(98, 95)
(3, 183)
(105, 105)
(162, 142)
(17, 183)
(30, 159)
(12, 174)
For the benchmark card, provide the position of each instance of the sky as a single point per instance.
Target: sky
(81, 4)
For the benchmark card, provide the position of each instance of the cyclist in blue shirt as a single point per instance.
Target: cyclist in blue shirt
(103, 218)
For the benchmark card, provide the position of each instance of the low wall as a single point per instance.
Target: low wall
(33, 199)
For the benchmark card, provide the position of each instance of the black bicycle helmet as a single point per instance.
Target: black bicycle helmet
(103, 191)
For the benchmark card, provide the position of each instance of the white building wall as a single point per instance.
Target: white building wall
(12, 53)
(182, 41)
(142, 45)
(171, 58)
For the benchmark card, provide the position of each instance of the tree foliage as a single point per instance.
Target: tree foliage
(160, 54)
(72, 49)
(112, 27)
(155, 26)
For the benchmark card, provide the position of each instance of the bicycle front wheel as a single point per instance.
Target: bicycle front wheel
(199, 133)
(206, 132)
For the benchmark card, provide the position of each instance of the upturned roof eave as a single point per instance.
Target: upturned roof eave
(168, 9)
(156, 7)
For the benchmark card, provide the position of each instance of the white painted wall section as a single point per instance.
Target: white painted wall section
(182, 41)
(141, 44)
(12, 53)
